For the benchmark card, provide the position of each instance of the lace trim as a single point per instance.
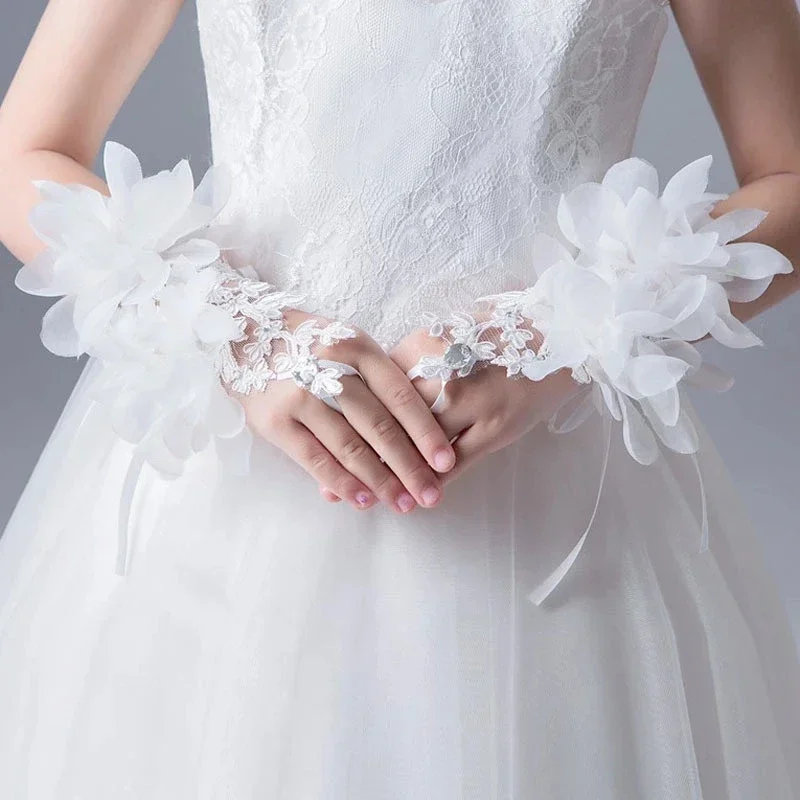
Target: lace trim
(267, 350)
(514, 103)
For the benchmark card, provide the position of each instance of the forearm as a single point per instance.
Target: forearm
(18, 195)
(780, 196)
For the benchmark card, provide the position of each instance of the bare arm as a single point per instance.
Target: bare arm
(81, 64)
(747, 54)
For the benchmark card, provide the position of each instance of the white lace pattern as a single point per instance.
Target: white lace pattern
(413, 179)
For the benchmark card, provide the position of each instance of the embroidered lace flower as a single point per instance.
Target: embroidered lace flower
(268, 350)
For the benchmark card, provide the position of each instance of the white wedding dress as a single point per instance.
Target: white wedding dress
(392, 157)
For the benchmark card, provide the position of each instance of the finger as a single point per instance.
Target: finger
(304, 448)
(329, 495)
(354, 454)
(397, 394)
(471, 445)
(391, 442)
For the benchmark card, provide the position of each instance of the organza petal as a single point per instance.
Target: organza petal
(122, 169)
(55, 192)
(682, 301)
(707, 376)
(587, 211)
(645, 223)
(666, 407)
(59, 334)
(636, 433)
(681, 437)
(626, 176)
(677, 348)
(687, 184)
(755, 260)
(745, 290)
(37, 277)
(198, 252)
(649, 375)
(693, 249)
(735, 224)
(732, 333)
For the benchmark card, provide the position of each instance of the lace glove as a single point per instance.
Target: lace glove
(146, 292)
(635, 277)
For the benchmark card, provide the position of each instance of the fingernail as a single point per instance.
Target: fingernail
(405, 503)
(363, 499)
(430, 496)
(444, 459)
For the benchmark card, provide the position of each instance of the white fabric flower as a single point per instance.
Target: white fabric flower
(638, 276)
(136, 270)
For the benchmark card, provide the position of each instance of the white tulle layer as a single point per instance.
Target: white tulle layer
(268, 645)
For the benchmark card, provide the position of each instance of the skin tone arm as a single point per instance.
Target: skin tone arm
(81, 64)
(747, 54)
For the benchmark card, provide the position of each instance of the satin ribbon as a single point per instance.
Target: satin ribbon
(129, 485)
(440, 401)
(341, 369)
(546, 587)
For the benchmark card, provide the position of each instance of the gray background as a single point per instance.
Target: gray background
(756, 425)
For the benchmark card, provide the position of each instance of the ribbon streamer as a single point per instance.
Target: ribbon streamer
(544, 589)
(129, 485)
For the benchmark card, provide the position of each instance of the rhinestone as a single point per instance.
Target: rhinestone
(305, 371)
(457, 356)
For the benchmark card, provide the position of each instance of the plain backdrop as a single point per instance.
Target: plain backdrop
(756, 425)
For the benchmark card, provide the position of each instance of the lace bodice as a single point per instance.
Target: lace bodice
(397, 156)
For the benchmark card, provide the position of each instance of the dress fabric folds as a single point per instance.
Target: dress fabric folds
(392, 157)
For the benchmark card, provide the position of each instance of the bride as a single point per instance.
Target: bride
(380, 481)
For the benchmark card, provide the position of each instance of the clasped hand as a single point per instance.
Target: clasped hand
(386, 445)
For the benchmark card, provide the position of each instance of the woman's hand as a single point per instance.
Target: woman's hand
(386, 443)
(486, 410)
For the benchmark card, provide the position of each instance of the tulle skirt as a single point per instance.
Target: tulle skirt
(266, 644)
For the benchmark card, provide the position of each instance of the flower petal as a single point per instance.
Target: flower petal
(731, 332)
(586, 212)
(688, 250)
(37, 277)
(626, 176)
(755, 260)
(687, 185)
(744, 290)
(648, 375)
(123, 170)
(735, 224)
(59, 334)
(636, 433)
